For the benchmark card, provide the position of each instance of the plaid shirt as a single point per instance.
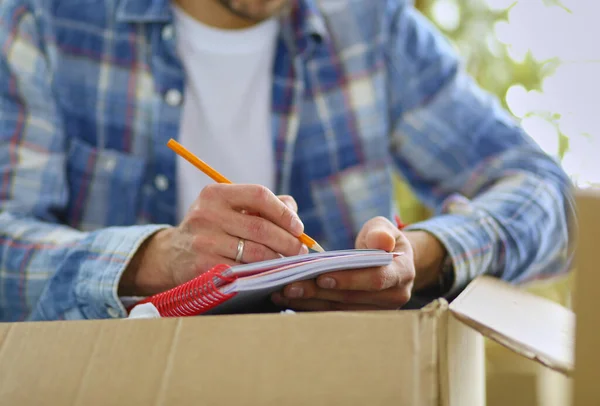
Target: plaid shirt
(89, 97)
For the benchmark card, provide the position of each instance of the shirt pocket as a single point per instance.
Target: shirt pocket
(105, 186)
(348, 199)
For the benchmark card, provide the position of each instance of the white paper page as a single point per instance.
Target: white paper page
(246, 269)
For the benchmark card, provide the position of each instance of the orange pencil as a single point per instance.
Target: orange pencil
(217, 177)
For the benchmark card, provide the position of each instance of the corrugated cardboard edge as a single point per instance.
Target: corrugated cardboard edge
(436, 383)
(586, 390)
(461, 362)
(519, 347)
(432, 325)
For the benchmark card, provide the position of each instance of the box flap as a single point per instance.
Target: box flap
(532, 326)
(325, 358)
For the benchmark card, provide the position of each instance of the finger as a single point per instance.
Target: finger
(262, 231)
(392, 298)
(319, 305)
(251, 251)
(302, 289)
(290, 202)
(369, 279)
(378, 233)
(259, 199)
(219, 244)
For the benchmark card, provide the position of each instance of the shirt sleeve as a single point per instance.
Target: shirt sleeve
(503, 207)
(48, 271)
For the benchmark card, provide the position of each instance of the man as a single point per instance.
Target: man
(316, 101)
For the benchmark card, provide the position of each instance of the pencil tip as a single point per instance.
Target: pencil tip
(317, 247)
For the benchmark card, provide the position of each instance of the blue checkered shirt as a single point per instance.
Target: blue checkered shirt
(361, 89)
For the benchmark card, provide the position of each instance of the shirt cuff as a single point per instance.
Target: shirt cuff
(468, 245)
(129, 301)
(110, 252)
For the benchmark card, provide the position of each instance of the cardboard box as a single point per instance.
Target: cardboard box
(586, 390)
(432, 356)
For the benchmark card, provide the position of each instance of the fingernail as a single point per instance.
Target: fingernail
(303, 249)
(326, 283)
(297, 226)
(295, 292)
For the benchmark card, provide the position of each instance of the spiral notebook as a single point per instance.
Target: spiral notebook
(233, 289)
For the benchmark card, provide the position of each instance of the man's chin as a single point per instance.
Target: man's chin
(253, 10)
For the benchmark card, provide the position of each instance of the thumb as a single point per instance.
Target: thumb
(380, 239)
(379, 234)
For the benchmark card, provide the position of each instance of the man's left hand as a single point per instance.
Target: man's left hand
(388, 287)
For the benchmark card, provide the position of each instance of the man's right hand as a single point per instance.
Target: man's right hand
(209, 235)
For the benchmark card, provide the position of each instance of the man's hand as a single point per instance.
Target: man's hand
(209, 235)
(387, 287)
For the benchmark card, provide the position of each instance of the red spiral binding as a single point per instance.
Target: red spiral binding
(194, 297)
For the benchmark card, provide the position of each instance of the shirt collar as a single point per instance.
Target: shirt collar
(144, 11)
(306, 25)
(303, 19)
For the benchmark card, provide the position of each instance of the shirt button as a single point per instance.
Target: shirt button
(161, 182)
(168, 32)
(112, 312)
(173, 97)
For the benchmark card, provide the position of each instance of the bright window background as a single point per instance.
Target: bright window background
(542, 59)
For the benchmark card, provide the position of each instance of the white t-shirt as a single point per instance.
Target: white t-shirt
(226, 117)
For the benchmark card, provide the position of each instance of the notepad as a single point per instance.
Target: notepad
(233, 289)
